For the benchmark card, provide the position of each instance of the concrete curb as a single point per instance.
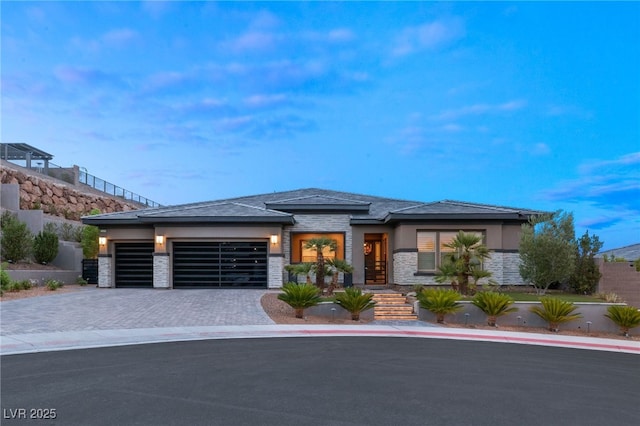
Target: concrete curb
(84, 339)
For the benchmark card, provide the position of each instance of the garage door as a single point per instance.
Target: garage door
(220, 264)
(134, 265)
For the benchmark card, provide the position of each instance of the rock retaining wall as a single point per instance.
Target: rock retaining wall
(57, 198)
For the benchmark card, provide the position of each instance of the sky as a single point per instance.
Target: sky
(525, 104)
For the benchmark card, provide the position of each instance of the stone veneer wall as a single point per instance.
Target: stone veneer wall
(502, 265)
(57, 198)
(161, 271)
(276, 266)
(622, 279)
(104, 271)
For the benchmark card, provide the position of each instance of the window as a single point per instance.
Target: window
(310, 255)
(301, 254)
(432, 248)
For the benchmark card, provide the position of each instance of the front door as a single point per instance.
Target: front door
(375, 259)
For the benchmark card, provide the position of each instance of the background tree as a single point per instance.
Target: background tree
(319, 244)
(464, 262)
(547, 250)
(586, 274)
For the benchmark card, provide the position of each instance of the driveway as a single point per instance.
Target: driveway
(106, 309)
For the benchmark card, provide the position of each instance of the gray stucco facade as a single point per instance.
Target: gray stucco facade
(248, 241)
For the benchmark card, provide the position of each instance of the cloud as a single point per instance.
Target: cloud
(254, 40)
(541, 149)
(610, 185)
(428, 36)
(119, 37)
(568, 111)
(481, 109)
(266, 100)
(86, 76)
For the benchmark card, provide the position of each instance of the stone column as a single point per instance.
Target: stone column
(161, 270)
(276, 266)
(105, 268)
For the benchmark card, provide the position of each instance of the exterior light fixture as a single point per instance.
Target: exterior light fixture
(102, 241)
(274, 239)
(160, 239)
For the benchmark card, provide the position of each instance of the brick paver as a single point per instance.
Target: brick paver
(105, 309)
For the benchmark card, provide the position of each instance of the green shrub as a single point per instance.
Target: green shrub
(52, 284)
(15, 287)
(494, 305)
(16, 241)
(25, 284)
(5, 279)
(354, 301)
(300, 297)
(440, 301)
(81, 281)
(45, 247)
(555, 311)
(625, 317)
(90, 246)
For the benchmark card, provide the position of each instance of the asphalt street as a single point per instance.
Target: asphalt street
(322, 381)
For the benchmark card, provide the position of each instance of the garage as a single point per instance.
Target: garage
(134, 265)
(230, 264)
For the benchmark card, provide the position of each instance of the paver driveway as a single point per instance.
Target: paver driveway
(105, 309)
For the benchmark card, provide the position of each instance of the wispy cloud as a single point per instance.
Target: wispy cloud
(481, 109)
(428, 36)
(115, 38)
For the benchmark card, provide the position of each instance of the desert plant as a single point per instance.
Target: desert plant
(16, 241)
(337, 266)
(494, 305)
(586, 275)
(355, 301)
(555, 311)
(52, 284)
(14, 287)
(319, 244)
(625, 317)
(300, 297)
(610, 297)
(464, 262)
(81, 281)
(304, 268)
(25, 284)
(5, 279)
(45, 247)
(440, 301)
(90, 246)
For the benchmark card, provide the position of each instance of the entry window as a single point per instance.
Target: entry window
(301, 254)
(432, 250)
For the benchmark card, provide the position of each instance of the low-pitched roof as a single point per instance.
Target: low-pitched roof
(278, 208)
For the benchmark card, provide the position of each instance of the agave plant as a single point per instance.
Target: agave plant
(354, 301)
(625, 317)
(555, 311)
(494, 305)
(440, 301)
(300, 297)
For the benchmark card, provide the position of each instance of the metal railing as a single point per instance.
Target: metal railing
(111, 189)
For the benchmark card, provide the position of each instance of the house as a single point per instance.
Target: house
(246, 242)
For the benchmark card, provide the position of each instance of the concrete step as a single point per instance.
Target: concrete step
(396, 317)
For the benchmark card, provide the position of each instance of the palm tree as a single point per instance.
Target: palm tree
(319, 244)
(304, 268)
(465, 260)
(337, 266)
(354, 301)
(300, 297)
(555, 311)
(625, 317)
(494, 305)
(440, 301)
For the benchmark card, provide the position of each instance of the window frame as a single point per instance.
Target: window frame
(438, 252)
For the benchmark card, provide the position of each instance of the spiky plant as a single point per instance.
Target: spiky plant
(440, 301)
(300, 297)
(494, 305)
(337, 266)
(319, 244)
(555, 311)
(304, 268)
(354, 301)
(625, 317)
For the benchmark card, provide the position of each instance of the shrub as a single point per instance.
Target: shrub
(52, 284)
(16, 241)
(15, 287)
(25, 284)
(555, 311)
(5, 279)
(81, 281)
(494, 305)
(440, 301)
(625, 317)
(300, 297)
(90, 246)
(609, 297)
(45, 247)
(354, 301)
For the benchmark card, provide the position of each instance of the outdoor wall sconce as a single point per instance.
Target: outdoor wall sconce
(102, 241)
(274, 239)
(160, 239)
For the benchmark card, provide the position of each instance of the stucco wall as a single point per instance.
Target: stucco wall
(622, 279)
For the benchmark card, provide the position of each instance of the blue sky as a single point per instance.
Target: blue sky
(531, 105)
